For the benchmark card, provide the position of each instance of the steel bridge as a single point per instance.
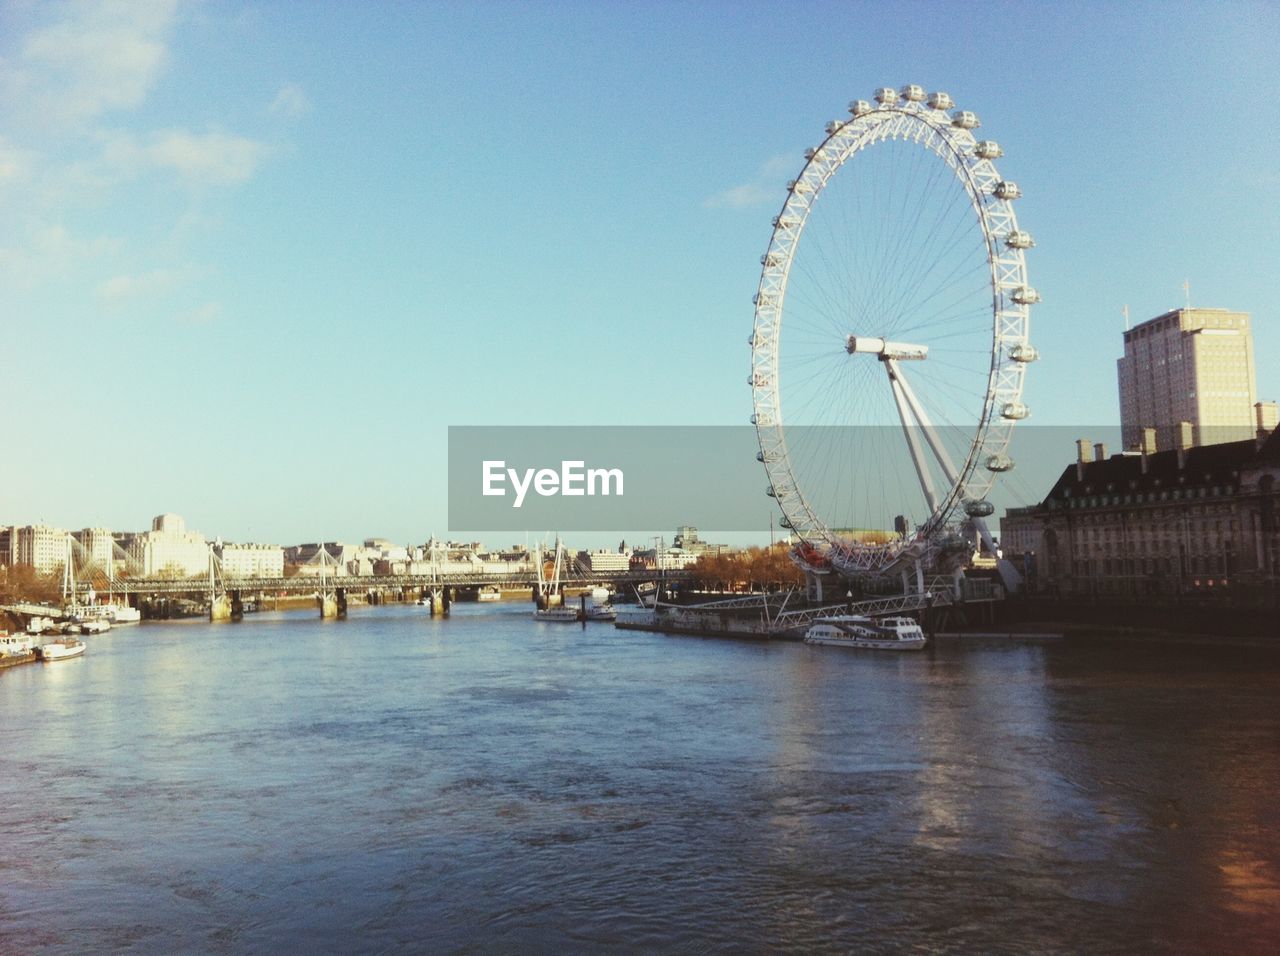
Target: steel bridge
(307, 583)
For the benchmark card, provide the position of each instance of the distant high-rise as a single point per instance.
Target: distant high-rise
(1188, 365)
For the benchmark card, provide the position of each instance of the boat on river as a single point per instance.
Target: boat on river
(880, 634)
(61, 649)
(550, 597)
(561, 614)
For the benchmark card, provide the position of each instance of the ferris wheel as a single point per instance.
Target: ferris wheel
(891, 330)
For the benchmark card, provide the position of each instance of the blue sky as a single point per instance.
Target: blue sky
(255, 258)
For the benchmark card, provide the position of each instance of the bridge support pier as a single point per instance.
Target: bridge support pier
(328, 606)
(437, 600)
(220, 608)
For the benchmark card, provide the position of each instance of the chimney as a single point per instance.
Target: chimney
(1100, 452)
(1148, 446)
(1084, 455)
(1184, 439)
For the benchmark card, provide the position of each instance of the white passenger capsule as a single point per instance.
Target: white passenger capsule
(979, 509)
(887, 96)
(762, 299)
(987, 149)
(1025, 295)
(834, 126)
(758, 380)
(1024, 353)
(1007, 191)
(941, 101)
(760, 457)
(1000, 462)
(810, 153)
(912, 93)
(1019, 240)
(1014, 411)
(770, 259)
(751, 340)
(785, 222)
(860, 107)
(784, 521)
(963, 119)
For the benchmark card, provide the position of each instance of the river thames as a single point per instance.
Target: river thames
(394, 783)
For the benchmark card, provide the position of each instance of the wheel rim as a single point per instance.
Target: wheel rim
(899, 226)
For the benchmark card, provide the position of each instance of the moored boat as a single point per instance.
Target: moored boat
(113, 614)
(882, 634)
(15, 645)
(562, 615)
(61, 649)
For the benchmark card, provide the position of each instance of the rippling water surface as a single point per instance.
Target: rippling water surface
(486, 783)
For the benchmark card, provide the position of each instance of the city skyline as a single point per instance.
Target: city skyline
(259, 302)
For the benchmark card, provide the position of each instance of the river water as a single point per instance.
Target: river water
(394, 783)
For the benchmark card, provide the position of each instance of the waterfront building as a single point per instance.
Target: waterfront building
(662, 559)
(96, 549)
(1193, 365)
(40, 547)
(169, 549)
(604, 560)
(1201, 520)
(250, 560)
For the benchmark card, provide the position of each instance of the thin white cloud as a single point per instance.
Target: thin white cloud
(98, 57)
(78, 148)
(49, 250)
(290, 102)
(120, 290)
(207, 157)
(198, 158)
(764, 188)
(16, 164)
(202, 315)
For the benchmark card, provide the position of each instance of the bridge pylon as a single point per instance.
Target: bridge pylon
(220, 603)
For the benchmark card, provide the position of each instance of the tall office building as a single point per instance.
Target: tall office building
(168, 548)
(43, 548)
(1188, 365)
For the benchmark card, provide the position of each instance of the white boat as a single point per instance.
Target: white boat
(489, 594)
(562, 615)
(61, 649)
(15, 645)
(601, 612)
(123, 614)
(882, 634)
(95, 626)
(113, 614)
